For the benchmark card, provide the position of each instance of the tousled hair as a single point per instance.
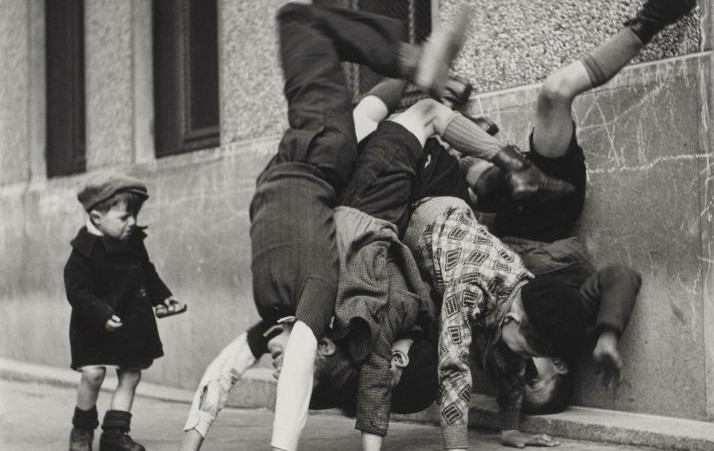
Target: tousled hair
(335, 381)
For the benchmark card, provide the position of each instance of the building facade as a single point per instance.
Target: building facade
(190, 99)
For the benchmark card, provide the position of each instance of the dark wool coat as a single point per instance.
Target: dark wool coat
(105, 277)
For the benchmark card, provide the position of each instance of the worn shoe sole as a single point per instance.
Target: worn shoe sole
(439, 52)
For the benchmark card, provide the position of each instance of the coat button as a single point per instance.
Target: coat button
(142, 293)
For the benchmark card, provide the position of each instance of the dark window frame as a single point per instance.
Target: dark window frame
(177, 77)
(65, 150)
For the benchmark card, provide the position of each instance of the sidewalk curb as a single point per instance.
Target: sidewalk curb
(257, 390)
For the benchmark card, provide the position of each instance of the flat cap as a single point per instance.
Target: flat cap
(103, 186)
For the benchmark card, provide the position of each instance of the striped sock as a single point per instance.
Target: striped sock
(606, 60)
(469, 138)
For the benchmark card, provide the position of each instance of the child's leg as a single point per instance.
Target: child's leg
(85, 419)
(381, 185)
(553, 124)
(377, 105)
(313, 42)
(117, 420)
(553, 127)
(89, 385)
(212, 393)
(123, 397)
(463, 134)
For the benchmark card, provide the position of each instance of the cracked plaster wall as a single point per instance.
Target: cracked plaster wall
(647, 205)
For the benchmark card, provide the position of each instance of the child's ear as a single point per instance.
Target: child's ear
(560, 365)
(326, 346)
(95, 216)
(399, 359)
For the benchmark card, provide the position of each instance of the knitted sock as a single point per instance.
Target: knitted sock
(469, 138)
(389, 91)
(117, 420)
(603, 62)
(85, 419)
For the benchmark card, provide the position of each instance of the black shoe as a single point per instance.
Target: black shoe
(115, 440)
(526, 181)
(657, 14)
(81, 439)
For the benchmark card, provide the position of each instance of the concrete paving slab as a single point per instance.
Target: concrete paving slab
(257, 390)
(36, 416)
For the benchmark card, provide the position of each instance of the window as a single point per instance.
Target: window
(64, 47)
(185, 75)
(416, 16)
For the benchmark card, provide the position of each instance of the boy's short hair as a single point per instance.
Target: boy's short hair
(555, 311)
(420, 379)
(102, 187)
(335, 382)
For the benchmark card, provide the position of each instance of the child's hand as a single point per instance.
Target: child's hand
(170, 306)
(518, 439)
(608, 360)
(113, 323)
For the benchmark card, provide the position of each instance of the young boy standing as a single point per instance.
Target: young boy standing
(112, 286)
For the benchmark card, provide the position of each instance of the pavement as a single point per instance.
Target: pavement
(35, 416)
(26, 388)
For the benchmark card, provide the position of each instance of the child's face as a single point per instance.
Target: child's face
(541, 385)
(117, 222)
(512, 336)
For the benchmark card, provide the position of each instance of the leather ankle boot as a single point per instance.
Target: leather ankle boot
(657, 14)
(116, 440)
(525, 180)
(81, 439)
(115, 435)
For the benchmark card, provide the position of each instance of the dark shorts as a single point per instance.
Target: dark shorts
(383, 177)
(547, 220)
(439, 174)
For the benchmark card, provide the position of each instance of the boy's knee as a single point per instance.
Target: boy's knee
(129, 376)
(426, 106)
(557, 89)
(213, 398)
(617, 273)
(94, 376)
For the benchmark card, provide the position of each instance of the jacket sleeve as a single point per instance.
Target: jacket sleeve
(157, 288)
(78, 285)
(509, 370)
(610, 296)
(455, 383)
(374, 392)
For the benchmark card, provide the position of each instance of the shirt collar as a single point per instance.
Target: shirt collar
(87, 237)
